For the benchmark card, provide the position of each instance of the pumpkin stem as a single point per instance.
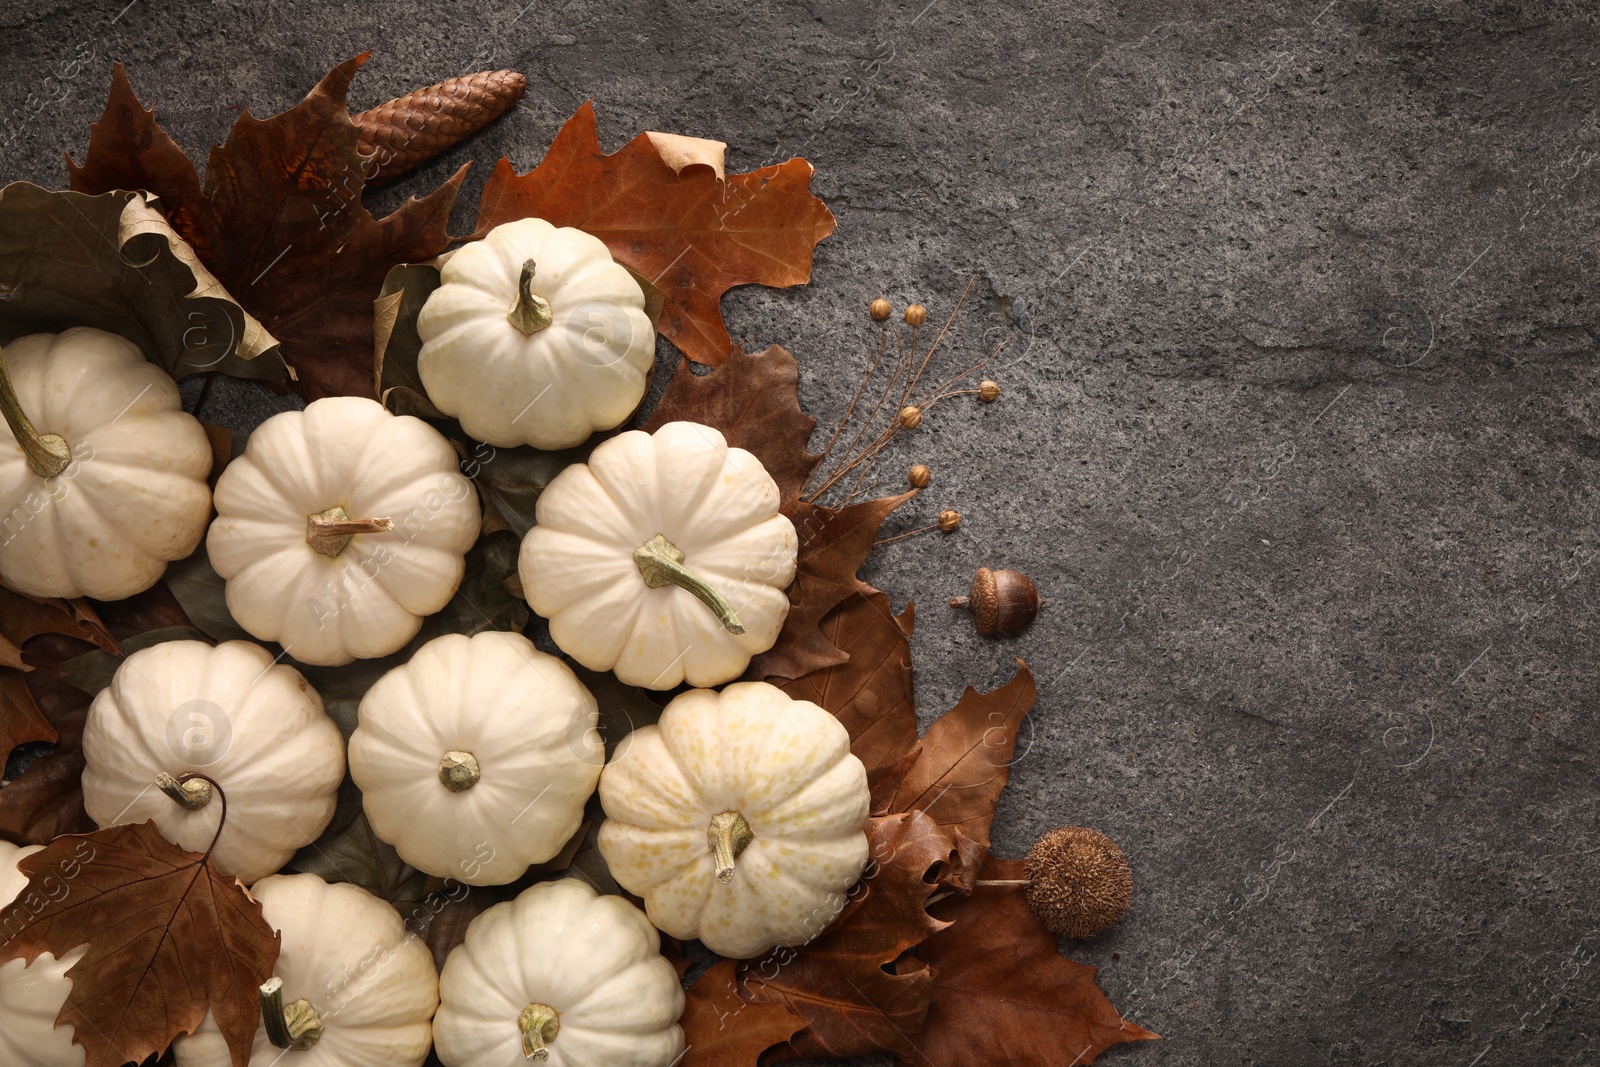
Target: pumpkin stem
(47, 453)
(539, 1023)
(296, 1026)
(329, 532)
(192, 793)
(728, 835)
(459, 771)
(661, 563)
(531, 312)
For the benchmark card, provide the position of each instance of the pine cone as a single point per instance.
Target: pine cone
(416, 127)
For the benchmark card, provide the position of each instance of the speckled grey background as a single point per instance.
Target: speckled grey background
(1300, 438)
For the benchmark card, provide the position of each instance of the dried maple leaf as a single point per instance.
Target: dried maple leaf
(725, 1029)
(964, 760)
(1003, 994)
(169, 938)
(279, 221)
(845, 984)
(691, 231)
(871, 691)
(753, 399)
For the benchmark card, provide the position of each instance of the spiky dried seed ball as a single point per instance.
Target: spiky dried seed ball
(949, 521)
(1079, 883)
(988, 391)
(916, 315)
(919, 477)
(910, 416)
(880, 309)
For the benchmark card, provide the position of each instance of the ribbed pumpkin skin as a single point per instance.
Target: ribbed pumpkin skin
(786, 766)
(716, 504)
(350, 956)
(135, 494)
(595, 959)
(523, 716)
(229, 712)
(370, 599)
(551, 389)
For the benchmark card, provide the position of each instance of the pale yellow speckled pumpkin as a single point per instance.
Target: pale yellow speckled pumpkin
(739, 818)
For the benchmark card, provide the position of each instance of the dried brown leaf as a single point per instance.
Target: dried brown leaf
(753, 399)
(46, 800)
(692, 232)
(842, 983)
(870, 692)
(964, 760)
(834, 543)
(169, 938)
(1003, 994)
(723, 1028)
(279, 221)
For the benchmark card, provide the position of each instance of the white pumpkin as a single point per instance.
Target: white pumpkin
(31, 996)
(301, 533)
(535, 337)
(368, 984)
(102, 472)
(664, 558)
(739, 818)
(560, 976)
(254, 726)
(475, 758)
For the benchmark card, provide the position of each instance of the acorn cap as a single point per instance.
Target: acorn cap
(1079, 883)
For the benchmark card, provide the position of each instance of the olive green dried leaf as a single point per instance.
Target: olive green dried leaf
(112, 262)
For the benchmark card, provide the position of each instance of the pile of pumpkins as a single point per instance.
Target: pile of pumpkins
(739, 818)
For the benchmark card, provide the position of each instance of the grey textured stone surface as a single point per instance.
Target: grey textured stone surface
(1300, 439)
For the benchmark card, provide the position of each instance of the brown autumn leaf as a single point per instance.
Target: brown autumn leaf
(692, 232)
(46, 800)
(11, 655)
(21, 721)
(1003, 994)
(23, 617)
(834, 543)
(279, 221)
(723, 1028)
(964, 761)
(840, 983)
(870, 692)
(169, 938)
(753, 399)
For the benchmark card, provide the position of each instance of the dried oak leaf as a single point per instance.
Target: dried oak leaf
(21, 721)
(723, 1028)
(854, 985)
(279, 221)
(963, 762)
(1003, 994)
(23, 618)
(169, 938)
(871, 691)
(673, 218)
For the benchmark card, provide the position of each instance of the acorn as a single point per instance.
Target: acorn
(949, 520)
(1001, 602)
(988, 391)
(880, 309)
(916, 315)
(1079, 882)
(919, 476)
(910, 416)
